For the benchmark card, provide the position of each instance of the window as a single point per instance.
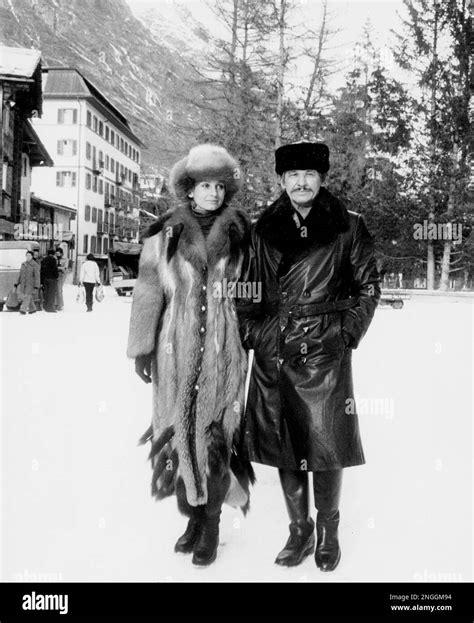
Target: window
(112, 192)
(111, 220)
(88, 151)
(94, 123)
(94, 215)
(112, 165)
(112, 137)
(89, 119)
(67, 147)
(94, 154)
(107, 163)
(85, 244)
(101, 187)
(138, 157)
(100, 214)
(88, 181)
(66, 179)
(117, 141)
(93, 244)
(106, 245)
(106, 132)
(122, 142)
(101, 159)
(101, 128)
(67, 115)
(87, 213)
(24, 166)
(94, 183)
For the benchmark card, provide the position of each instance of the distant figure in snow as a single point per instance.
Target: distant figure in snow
(89, 278)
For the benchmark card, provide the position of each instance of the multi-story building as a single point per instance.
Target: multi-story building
(20, 147)
(97, 163)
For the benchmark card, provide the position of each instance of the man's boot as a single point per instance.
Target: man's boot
(301, 541)
(205, 549)
(327, 492)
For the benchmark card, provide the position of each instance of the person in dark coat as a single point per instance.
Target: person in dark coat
(39, 293)
(49, 279)
(28, 284)
(320, 287)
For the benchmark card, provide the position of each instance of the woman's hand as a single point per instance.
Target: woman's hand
(143, 367)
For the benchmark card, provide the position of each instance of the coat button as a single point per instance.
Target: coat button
(307, 293)
(284, 294)
(202, 349)
(204, 287)
(305, 329)
(203, 308)
(282, 327)
(280, 361)
(202, 329)
(196, 387)
(303, 359)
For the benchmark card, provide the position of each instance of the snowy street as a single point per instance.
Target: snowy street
(75, 487)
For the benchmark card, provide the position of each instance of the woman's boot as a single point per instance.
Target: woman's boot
(205, 550)
(301, 541)
(327, 492)
(186, 542)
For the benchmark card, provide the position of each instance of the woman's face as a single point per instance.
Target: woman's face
(208, 195)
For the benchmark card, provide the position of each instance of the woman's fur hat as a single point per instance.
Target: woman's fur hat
(205, 162)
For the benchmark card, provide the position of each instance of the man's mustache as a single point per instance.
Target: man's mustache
(304, 188)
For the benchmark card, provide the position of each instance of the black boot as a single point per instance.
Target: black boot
(301, 541)
(327, 492)
(205, 550)
(186, 542)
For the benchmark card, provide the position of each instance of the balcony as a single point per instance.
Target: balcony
(97, 166)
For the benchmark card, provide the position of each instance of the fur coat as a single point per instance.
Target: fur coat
(181, 314)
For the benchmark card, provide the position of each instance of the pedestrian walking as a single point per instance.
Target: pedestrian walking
(49, 280)
(89, 278)
(28, 284)
(185, 340)
(320, 287)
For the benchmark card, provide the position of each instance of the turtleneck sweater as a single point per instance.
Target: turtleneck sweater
(207, 219)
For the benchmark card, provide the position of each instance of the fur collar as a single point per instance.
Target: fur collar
(228, 236)
(327, 218)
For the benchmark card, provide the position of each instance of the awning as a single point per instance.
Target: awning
(127, 248)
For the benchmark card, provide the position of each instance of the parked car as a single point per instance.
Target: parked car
(393, 298)
(123, 266)
(12, 256)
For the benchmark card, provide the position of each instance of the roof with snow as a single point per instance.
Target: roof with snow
(68, 82)
(18, 62)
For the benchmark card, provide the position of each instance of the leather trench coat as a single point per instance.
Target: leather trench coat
(317, 301)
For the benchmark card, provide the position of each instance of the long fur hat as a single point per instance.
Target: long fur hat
(205, 162)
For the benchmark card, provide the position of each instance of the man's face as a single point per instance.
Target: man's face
(29, 257)
(301, 185)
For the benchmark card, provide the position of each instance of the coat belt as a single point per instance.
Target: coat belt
(311, 309)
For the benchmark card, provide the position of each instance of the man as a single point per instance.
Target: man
(39, 294)
(49, 279)
(320, 288)
(28, 284)
(62, 270)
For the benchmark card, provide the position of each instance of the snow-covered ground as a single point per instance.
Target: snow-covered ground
(75, 496)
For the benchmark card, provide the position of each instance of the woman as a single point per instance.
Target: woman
(184, 337)
(89, 278)
(28, 284)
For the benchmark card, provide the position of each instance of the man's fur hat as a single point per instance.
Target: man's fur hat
(205, 162)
